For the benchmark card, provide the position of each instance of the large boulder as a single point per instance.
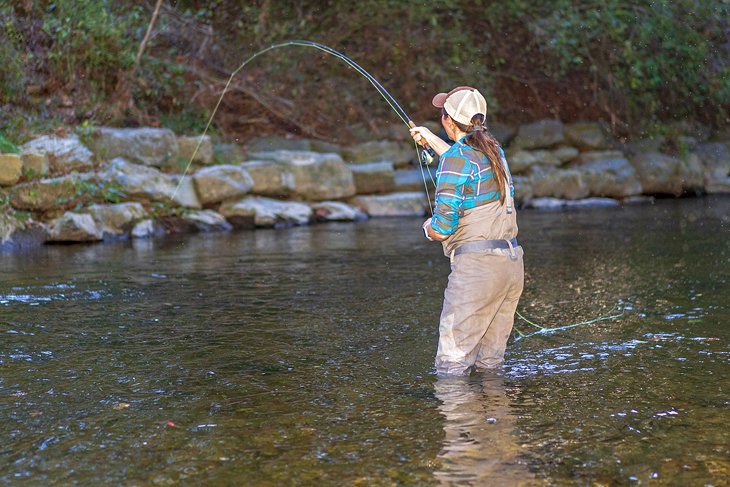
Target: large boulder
(664, 174)
(42, 195)
(266, 212)
(271, 178)
(373, 177)
(118, 219)
(219, 183)
(586, 135)
(412, 179)
(35, 163)
(715, 160)
(147, 146)
(612, 177)
(502, 132)
(65, 154)
(336, 211)
(561, 183)
(274, 143)
(542, 134)
(228, 153)
(523, 188)
(207, 221)
(139, 182)
(17, 233)
(394, 204)
(521, 161)
(586, 157)
(399, 153)
(184, 194)
(11, 168)
(317, 176)
(74, 227)
(195, 149)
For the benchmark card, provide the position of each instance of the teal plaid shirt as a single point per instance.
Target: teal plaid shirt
(464, 180)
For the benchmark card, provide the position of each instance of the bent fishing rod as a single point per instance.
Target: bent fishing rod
(426, 155)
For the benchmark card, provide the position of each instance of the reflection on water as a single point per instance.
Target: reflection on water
(305, 356)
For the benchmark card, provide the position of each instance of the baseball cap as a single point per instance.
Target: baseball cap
(461, 103)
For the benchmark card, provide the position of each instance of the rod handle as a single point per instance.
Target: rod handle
(425, 145)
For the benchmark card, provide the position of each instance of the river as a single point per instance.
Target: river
(304, 356)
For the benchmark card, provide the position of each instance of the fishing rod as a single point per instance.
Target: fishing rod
(424, 154)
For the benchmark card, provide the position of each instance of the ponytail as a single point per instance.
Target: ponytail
(479, 138)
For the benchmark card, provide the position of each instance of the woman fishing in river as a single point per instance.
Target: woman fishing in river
(475, 220)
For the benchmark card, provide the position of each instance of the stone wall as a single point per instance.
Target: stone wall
(139, 183)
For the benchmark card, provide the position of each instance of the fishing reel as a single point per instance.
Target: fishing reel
(427, 156)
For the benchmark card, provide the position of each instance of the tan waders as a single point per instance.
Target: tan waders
(485, 284)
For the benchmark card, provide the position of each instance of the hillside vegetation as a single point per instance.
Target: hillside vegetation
(640, 66)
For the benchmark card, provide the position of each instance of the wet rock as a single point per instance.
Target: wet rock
(42, 195)
(74, 227)
(586, 136)
(549, 203)
(139, 182)
(271, 178)
(184, 194)
(187, 152)
(542, 134)
(273, 143)
(336, 211)
(266, 212)
(64, 154)
(18, 231)
(561, 183)
(317, 177)
(664, 174)
(207, 221)
(35, 163)
(373, 177)
(546, 203)
(715, 160)
(11, 167)
(399, 153)
(412, 179)
(147, 146)
(219, 183)
(228, 153)
(144, 229)
(116, 220)
(614, 178)
(394, 204)
(637, 200)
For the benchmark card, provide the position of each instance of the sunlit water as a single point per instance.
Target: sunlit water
(304, 356)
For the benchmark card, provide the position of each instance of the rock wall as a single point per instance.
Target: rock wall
(139, 183)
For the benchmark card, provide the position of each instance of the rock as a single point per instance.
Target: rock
(228, 154)
(586, 136)
(64, 154)
(35, 163)
(42, 195)
(74, 227)
(20, 233)
(373, 177)
(636, 200)
(561, 183)
(144, 229)
(614, 178)
(715, 160)
(184, 194)
(187, 152)
(664, 174)
(523, 189)
(542, 134)
(336, 211)
(642, 146)
(317, 176)
(11, 168)
(545, 203)
(139, 182)
(521, 161)
(327, 147)
(273, 143)
(399, 153)
(116, 220)
(586, 157)
(412, 179)
(271, 178)
(219, 183)
(207, 221)
(394, 204)
(147, 146)
(592, 203)
(566, 154)
(266, 212)
(502, 132)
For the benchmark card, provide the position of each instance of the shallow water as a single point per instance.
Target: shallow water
(304, 356)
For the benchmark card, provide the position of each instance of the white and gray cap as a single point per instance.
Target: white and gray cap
(462, 103)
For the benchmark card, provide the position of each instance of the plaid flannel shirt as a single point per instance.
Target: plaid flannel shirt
(464, 180)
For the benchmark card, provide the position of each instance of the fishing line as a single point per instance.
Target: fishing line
(376, 84)
(544, 330)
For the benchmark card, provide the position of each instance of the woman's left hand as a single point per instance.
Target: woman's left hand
(432, 234)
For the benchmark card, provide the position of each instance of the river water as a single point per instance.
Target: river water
(304, 356)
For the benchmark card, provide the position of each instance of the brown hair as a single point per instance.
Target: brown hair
(479, 138)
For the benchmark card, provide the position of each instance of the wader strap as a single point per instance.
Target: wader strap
(508, 187)
(481, 245)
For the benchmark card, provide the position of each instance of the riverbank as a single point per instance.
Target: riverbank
(114, 183)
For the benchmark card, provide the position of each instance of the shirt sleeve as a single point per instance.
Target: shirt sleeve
(453, 175)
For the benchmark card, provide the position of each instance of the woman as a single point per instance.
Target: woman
(475, 220)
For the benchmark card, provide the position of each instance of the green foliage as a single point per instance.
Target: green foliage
(12, 61)
(7, 147)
